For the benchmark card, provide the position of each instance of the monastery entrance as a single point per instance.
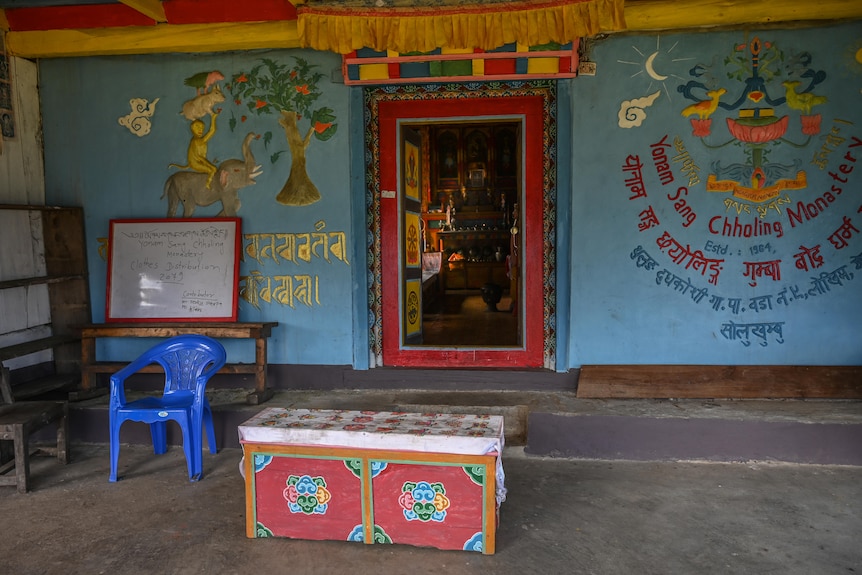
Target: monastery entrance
(484, 220)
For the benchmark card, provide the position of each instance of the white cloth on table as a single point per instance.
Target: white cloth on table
(431, 262)
(463, 434)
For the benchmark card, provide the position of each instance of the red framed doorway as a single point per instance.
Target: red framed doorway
(532, 109)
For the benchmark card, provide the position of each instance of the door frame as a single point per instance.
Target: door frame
(385, 109)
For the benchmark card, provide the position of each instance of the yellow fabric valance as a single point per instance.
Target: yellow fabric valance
(343, 26)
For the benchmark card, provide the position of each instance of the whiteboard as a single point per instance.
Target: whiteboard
(173, 270)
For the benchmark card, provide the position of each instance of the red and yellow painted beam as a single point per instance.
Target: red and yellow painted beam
(232, 34)
(162, 38)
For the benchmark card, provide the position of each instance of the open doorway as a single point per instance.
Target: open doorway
(527, 304)
(471, 246)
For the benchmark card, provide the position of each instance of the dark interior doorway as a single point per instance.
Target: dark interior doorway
(472, 189)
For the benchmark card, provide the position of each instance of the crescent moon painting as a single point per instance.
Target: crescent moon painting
(646, 62)
(649, 66)
(633, 112)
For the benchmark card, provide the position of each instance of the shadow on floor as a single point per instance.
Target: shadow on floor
(462, 318)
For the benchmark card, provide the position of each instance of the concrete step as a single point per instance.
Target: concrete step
(679, 439)
(558, 424)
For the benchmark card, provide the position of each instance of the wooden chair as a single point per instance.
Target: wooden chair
(18, 420)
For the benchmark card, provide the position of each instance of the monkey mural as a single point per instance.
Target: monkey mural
(208, 94)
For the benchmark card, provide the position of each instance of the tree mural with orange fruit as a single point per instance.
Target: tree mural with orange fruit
(272, 87)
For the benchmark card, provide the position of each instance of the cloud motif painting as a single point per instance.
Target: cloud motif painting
(138, 120)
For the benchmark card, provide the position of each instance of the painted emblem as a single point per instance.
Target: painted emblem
(306, 494)
(424, 501)
(759, 124)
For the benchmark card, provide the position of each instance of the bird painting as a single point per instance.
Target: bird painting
(203, 81)
(804, 101)
(704, 109)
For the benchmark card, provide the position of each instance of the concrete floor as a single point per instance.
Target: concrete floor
(561, 516)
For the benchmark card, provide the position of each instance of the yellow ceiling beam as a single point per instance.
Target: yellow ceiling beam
(161, 38)
(643, 15)
(640, 15)
(150, 8)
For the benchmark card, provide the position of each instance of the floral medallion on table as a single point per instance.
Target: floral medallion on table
(423, 501)
(306, 494)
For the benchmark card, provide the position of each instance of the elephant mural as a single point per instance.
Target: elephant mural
(191, 189)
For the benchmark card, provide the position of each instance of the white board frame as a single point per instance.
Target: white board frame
(162, 270)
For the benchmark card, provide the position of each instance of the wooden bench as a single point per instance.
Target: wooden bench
(258, 331)
(18, 420)
(720, 381)
(40, 385)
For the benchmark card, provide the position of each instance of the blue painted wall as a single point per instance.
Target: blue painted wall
(94, 161)
(676, 288)
(647, 291)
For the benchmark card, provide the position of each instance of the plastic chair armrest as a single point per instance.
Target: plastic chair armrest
(118, 379)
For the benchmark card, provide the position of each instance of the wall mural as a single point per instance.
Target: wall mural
(269, 87)
(275, 88)
(138, 120)
(201, 182)
(208, 184)
(752, 101)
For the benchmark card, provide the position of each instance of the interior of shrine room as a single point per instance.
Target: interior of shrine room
(471, 244)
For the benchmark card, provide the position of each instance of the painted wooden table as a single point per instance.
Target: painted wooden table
(431, 480)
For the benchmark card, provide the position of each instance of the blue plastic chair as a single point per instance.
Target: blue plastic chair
(189, 362)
